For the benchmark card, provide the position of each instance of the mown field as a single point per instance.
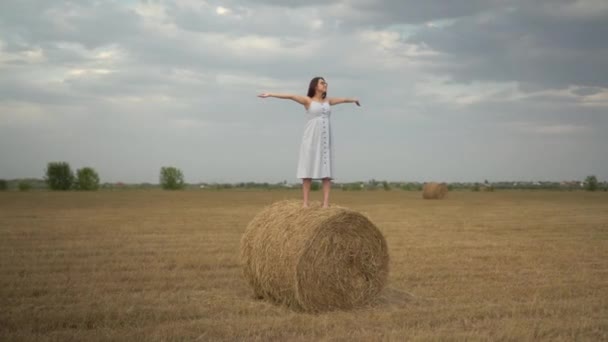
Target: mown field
(155, 265)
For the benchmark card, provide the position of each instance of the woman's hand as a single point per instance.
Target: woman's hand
(264, 95)
(357, 103)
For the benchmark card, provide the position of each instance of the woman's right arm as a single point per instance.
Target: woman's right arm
(303, 100)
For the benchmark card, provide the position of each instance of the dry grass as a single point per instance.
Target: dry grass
(153, 265)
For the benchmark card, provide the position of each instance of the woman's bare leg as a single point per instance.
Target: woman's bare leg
(306, 182)
(326, 188)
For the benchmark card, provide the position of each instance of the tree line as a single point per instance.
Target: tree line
(59, 176)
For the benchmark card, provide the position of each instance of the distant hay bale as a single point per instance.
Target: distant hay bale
(314, 259)
(434, 190)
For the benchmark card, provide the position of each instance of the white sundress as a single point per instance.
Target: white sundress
(316, 150)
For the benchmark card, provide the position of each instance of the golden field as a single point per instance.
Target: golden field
(158, 265)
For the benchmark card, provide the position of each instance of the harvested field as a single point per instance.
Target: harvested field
(154, 265)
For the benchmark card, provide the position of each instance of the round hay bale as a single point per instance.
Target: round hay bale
(434, 190)
(314, 259)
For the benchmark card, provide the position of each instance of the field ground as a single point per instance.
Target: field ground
(155, 265)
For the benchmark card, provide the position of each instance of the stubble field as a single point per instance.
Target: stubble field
(155, 265)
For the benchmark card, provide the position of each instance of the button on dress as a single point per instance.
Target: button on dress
(316, 150)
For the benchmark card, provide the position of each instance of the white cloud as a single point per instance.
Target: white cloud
(256, 47)
(445, 91)
(190, 5)
(560, 129)
(222, 10)
(18, 113)
(599, 100)
(578, 9)
(61, 18)
(189, 70)
(316, 24)
(78, 72)
(151, 11)
(253, 82)
(29, 56)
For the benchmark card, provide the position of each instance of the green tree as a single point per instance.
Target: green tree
(24, 186)
(87, 179)
(386, 186)
(3, 185)
(410, 187)
(59, 176)
(315, 186)
(171, 178)
(372, 184)
(351, 187)
(591, 183)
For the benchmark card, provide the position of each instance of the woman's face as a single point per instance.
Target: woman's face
(321, 86)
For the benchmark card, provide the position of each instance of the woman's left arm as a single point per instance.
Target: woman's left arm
(338, 100)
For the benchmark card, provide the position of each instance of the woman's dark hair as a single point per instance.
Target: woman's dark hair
(313, 86)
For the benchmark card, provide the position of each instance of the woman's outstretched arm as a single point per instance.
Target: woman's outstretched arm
(303, 100)
(338, 100)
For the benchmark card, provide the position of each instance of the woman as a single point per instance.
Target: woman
(316, 150)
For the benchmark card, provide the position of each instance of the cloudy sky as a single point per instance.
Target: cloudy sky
(460, 90)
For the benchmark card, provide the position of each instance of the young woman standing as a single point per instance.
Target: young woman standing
(316, 150)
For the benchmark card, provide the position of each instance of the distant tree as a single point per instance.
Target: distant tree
(386, 186)
(411, 187)
(351, 186)
(476, 187)
(87, 179)
(24, 186)
(591, 183)
(315, 186)
(372, 184)
(3, 185)
(59, 176)
(171, 178)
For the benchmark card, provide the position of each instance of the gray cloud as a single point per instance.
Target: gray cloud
(441, 85)
(523, 46)
(413, 12)
(89, 23)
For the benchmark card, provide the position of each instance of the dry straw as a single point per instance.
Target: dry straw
(434, 190)
(314, 259)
